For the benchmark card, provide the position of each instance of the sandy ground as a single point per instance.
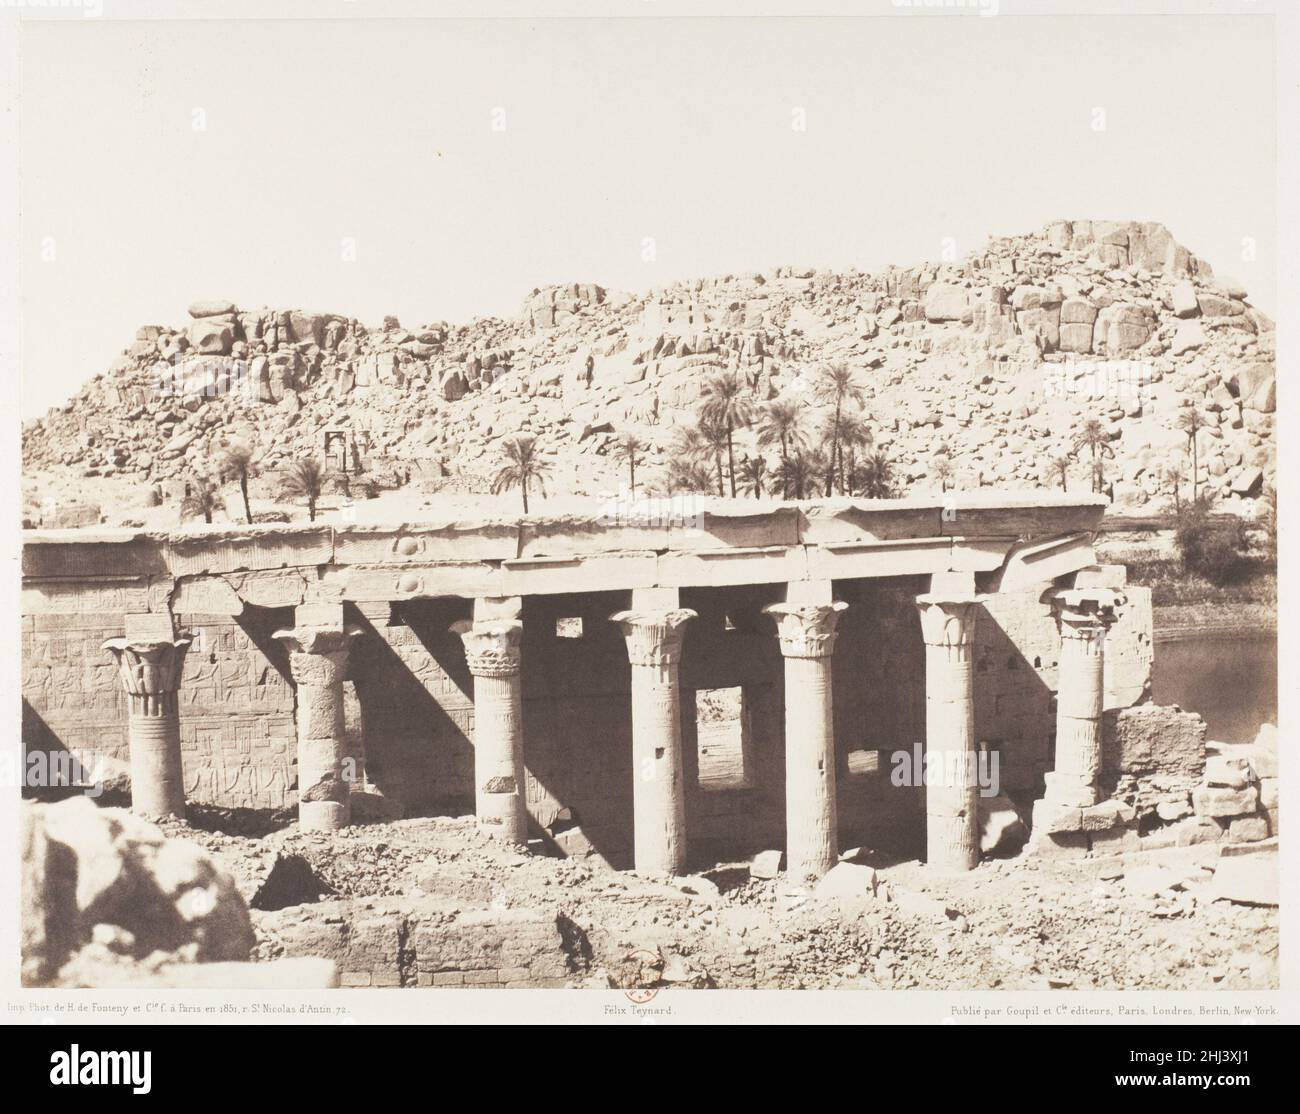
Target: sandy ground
(1148, 921)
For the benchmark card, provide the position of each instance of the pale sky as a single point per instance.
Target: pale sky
(380, 131)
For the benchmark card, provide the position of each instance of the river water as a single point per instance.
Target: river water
(1230, 679)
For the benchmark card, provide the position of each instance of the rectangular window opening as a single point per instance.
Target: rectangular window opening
(724, 744)
(569, 627)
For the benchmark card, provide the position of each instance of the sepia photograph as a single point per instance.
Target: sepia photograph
(576, 510)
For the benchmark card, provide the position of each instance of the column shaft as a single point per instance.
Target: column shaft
(807, 638)
(492, 652)
(654, 640)
(951, 784)
(323, 790)
(658, 801)
(318, 660)
(151, 673)
(811, 839)
(1083, 616)
(951, 801)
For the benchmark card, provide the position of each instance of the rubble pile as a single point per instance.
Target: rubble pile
(435, 902)
(103, 888)
(1000, 358)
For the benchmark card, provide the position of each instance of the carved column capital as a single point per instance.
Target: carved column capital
(318, 655)
(317, 640)
(491, 647)
(654, 637)
(806, 630)
(948, 621)
(150, 671)
(1085, 614)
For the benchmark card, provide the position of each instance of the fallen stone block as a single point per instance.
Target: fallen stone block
(1174, 808)
(1151, 881)
(1114, 841)
(1000, 825)
(1216, 802)
(1106, 815)
(1227, 773)
(1197, 829)
(1248, 829)
(767, 864)
(847, 880)
(1247, 880)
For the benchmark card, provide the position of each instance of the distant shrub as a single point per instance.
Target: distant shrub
(1214, 550)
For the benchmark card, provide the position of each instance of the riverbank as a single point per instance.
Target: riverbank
(1185, 604)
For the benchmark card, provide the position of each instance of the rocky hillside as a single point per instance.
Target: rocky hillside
(999, 358)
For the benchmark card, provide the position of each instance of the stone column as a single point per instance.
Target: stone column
(492, 651)
(952, 840)
(318, 658)
(807, 637)
(149, 660)
(654, 647)
(1083, 616)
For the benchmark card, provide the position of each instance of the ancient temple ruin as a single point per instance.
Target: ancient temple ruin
(548, 673)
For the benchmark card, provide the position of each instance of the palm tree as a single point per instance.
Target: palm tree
(725, 402)
(688, 475)
(796, 474)
(202, 498)
(1191, 421)
(877, 476)
(237, 464)
(821, 469)
(522, 467)
(782, 425)
(1096, 439)
(942, 470)
(849, 432)
(304, 480)
(629, 449)
(753, 469)
(1061, 467)
(715, 441)
(1173, 477)
(836, 386)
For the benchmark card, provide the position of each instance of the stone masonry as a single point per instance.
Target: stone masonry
(431, 658)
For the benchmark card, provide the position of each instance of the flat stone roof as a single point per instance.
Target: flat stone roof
(657, 542)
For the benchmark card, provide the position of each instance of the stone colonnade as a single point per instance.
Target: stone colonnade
(150, 657)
